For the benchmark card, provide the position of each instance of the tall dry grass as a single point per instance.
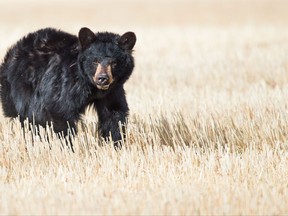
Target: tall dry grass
(207, 134)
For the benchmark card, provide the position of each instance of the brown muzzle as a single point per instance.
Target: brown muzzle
(103, 76)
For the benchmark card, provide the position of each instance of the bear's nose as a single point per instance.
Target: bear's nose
(102, 79)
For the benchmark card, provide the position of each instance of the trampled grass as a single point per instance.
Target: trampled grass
(207, 134)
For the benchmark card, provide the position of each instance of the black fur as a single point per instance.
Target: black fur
(50, 76)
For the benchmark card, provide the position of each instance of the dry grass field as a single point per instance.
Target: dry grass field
(208, 128)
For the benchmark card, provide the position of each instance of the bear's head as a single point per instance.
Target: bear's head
(106, 58)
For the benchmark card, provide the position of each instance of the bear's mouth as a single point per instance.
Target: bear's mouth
(103, 87)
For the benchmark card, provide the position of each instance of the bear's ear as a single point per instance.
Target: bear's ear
(127, 41)
(86, 37)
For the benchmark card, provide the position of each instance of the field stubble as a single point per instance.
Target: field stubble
(207, 134)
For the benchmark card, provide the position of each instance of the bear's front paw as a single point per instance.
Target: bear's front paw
(118, 145)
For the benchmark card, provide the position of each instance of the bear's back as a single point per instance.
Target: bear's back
(38, 47)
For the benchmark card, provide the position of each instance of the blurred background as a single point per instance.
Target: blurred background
(70, 15)
(35, 13)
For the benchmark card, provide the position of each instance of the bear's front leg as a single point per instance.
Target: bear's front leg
(112, 115)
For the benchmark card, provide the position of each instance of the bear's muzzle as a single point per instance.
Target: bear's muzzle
(103, 77)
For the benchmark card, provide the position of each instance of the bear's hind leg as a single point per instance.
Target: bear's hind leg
(65, 130)
(7, 102)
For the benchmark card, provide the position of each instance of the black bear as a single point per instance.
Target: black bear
(51, 76)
